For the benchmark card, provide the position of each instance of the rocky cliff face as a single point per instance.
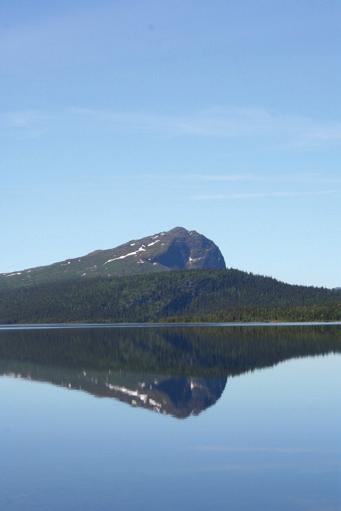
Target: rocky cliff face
(177, 249)
(189, 250)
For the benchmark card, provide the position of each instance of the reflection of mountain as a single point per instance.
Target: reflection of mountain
(176, 371)
(177, 396)
(180, 397)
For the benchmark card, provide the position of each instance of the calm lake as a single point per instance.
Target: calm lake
(196, 418)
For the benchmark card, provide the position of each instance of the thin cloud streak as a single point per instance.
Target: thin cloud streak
(223, 122)
(283, 450)
(279, 177)
(262, 195)
(25, 123)
(228, 178)
(233, 123)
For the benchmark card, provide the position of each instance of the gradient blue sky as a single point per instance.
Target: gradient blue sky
(123, 118)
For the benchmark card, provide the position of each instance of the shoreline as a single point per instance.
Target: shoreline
(69, 326)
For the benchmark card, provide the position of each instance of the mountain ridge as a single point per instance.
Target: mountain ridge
(176, 249)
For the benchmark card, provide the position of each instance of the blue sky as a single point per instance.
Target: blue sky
(123, 118)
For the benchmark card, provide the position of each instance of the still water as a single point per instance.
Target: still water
(99, 419)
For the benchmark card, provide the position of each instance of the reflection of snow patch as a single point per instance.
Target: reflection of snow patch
(154, 403)
(131, 393)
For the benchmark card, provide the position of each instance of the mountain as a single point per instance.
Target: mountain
(178, 275)
(177, 249)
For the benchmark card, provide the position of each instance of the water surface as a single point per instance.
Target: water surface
(170, 418)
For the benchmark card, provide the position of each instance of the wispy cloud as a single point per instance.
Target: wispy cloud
(251, 449)
(279, 176)
(227, 178)
(262, 195)
(223, 123)
(25, 123)
(251, 124)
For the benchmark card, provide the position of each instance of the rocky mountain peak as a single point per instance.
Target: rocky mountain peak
(176, 249)
(184, 249)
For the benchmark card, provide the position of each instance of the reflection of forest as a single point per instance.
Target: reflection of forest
(177, 371)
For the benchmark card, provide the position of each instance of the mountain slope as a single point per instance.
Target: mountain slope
(160, 296)
(177, 249)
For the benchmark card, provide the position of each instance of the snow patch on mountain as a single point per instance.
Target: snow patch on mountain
(141, 249)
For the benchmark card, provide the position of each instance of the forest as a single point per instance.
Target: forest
(198, 295)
